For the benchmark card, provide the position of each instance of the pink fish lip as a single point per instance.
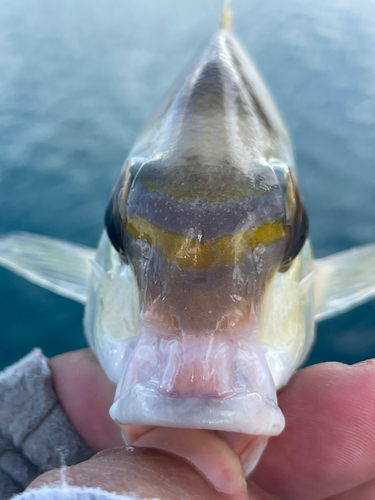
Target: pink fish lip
(208, 381)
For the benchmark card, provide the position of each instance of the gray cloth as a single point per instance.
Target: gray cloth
(35, 433)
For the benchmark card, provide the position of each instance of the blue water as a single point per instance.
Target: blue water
(78, 78)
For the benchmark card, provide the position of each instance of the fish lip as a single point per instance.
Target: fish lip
(249, 413)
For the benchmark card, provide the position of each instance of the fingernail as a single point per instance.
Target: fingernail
(132, 432)
(251, 455)
(237, 440)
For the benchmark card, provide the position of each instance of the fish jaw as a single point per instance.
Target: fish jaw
(198, 381)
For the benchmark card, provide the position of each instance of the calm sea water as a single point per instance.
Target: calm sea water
(78, 78)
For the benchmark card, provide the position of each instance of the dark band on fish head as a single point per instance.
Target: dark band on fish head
(216, 212)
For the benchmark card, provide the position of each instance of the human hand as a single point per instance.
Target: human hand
(326, 450)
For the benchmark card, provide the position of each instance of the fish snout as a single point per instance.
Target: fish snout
(193, 380)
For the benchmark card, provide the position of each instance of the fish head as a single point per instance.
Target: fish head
(208, 226)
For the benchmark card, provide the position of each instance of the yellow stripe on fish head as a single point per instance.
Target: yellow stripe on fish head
(193, 252)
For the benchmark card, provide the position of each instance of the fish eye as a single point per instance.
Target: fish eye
(115, 216)
(296, 232)
(113, 225)
(296, 224)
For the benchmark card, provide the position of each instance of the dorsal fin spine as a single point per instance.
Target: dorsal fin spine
(226, 22)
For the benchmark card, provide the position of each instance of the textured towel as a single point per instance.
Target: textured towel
(35, 433)
(74, 493)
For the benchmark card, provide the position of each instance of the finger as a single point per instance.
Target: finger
(208, 453)
(85, 393)
(212, 462)
(364, 491)
(248, 448)
(329, 440)
(132, 432)
(144, 472)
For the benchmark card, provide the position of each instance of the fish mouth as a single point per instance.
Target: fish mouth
(210, 381)
(247, 413)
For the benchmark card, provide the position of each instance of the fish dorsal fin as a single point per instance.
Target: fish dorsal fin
(226, 22)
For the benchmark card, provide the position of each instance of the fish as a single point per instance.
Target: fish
(202, 297)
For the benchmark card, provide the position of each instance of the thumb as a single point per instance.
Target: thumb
(144, 472)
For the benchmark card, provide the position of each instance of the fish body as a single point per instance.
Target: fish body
(207, 223)
(202, 296)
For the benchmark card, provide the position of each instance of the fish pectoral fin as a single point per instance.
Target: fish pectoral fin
(343, 281)
(58, 266)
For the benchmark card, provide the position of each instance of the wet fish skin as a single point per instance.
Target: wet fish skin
(208, 221)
